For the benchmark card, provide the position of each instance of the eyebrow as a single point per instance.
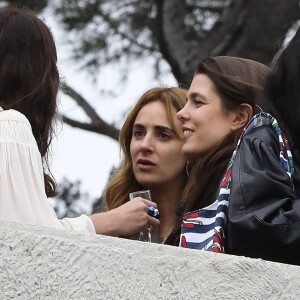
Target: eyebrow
(194, 95)
(156, 127)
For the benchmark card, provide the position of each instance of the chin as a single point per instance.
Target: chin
(147, 184)
(189, 153)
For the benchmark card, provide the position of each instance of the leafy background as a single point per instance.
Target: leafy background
(111, 51)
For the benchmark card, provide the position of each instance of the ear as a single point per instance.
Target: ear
(242, 116)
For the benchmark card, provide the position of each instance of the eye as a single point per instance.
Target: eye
(198, 101)
(138, 133)
(164, 135)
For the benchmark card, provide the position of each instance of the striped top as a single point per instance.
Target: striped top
(204, 229)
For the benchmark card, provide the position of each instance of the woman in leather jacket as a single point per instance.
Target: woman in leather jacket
(241, 197)
(264, 208)
(220, 103)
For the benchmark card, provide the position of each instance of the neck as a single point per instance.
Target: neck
(167, 199)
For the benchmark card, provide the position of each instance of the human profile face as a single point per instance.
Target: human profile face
(155, 148)
(205, 122)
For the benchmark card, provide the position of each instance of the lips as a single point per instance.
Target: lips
(187, 132)
(145, 164)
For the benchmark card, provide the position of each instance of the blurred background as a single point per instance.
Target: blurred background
(111, 51)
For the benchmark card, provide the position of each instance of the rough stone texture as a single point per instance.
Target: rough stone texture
(43, 263)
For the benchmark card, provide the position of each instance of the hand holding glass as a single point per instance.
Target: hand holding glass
(145, 195)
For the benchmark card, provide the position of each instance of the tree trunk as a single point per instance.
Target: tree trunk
(251, 29)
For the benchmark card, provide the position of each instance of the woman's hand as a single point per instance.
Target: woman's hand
(127, 219)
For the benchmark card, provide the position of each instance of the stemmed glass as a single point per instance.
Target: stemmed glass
(145, 195)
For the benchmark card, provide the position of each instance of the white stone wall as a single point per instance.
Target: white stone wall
(43, 263)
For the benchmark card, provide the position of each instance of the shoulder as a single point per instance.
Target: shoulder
(14, 116)
(14, 126)
(262, 135)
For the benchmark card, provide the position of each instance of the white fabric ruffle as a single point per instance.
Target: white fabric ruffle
(22, 190)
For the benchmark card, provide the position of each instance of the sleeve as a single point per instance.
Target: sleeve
(264, 212)
(22, 191)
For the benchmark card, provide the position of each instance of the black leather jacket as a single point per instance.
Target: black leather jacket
(264, 206)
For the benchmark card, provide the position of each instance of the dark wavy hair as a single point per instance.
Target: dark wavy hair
(282, 92)
(237, 81)
(29, 78)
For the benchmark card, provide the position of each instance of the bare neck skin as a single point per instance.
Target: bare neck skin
(167, 198)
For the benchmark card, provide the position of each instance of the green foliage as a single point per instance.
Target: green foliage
(71, 202)
(104, 31)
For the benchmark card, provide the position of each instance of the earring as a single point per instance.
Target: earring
(187, 169)
(261, 110)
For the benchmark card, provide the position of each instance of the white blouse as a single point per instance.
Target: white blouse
(22, 190)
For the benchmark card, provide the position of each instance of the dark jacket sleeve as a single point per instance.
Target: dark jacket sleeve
(264, 211)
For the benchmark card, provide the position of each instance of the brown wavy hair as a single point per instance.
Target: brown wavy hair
(124, 181)
(29, 78)
(237, 81)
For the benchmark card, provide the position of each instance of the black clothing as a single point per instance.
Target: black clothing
(264, 205)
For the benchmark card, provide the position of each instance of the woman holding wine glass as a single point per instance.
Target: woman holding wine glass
(151, 141)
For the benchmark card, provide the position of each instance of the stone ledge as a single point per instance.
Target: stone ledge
(42, 263)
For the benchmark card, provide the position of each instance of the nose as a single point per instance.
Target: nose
(147, 143)
(183, 115)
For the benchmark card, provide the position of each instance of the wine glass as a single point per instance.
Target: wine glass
(145, 194)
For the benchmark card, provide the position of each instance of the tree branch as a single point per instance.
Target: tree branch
(116, 30)
(228, 40)
(259, 39)
(88, 109)
(107, 130)
(218, 39)
(97, 124)
(180, 51)
(170, 35)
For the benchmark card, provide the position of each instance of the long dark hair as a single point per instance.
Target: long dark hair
(283, 92)
(237, 81)
(29, 78)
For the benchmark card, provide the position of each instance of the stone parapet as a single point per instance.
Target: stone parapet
(42, 263)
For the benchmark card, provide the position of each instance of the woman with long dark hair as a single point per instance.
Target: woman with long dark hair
(243, 197)
(29, 83)
(220, 103)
